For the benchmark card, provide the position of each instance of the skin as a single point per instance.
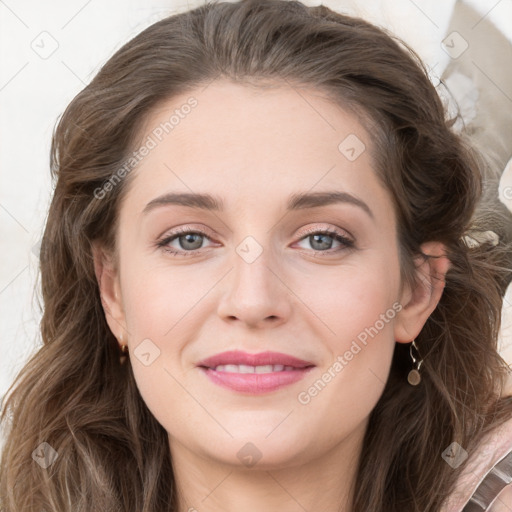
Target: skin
(254, 148)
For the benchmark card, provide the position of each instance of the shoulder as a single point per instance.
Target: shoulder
(487, 473)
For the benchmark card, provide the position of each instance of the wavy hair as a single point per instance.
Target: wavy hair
(74, 395)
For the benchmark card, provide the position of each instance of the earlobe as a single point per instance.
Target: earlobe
(109, 288)
(423, 298)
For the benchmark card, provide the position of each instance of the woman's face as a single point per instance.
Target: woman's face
(259, 276)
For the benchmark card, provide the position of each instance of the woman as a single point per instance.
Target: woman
(258, 283)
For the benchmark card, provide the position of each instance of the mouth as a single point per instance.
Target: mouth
(254, 373)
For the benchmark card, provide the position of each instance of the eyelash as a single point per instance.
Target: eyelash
(336, 235)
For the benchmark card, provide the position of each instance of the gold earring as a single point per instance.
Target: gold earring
(414, 377)
(124, 351)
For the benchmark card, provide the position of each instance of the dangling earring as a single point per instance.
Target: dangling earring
(124, 351)
(414, 377)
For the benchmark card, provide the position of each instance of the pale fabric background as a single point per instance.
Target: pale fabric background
(50, 51)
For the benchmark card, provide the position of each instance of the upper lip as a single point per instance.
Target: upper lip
(260, 359)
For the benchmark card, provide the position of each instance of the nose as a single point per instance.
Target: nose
(255, 292)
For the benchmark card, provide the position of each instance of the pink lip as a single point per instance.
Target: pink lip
(263, 358)
(254, 383)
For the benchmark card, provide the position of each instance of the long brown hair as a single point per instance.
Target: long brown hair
(73, 394)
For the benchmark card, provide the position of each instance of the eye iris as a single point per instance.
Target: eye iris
(188, 240)
(325, 245)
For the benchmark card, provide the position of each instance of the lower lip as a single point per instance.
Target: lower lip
(255, 383)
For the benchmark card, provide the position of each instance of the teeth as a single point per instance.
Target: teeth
(263, 369)
(244, 368)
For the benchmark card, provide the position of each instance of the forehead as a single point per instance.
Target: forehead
(251, 145)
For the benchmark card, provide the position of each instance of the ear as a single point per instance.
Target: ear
(110, 290)
(419, 302)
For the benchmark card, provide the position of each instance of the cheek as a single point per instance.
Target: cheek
(357, 309)
(347, 388)
(351, 298)
(164, 312)
(157, 297)
(160, 311)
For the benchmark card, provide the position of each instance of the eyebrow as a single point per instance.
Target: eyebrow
(295, 201)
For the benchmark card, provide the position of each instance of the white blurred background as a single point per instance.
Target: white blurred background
(50, 50)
